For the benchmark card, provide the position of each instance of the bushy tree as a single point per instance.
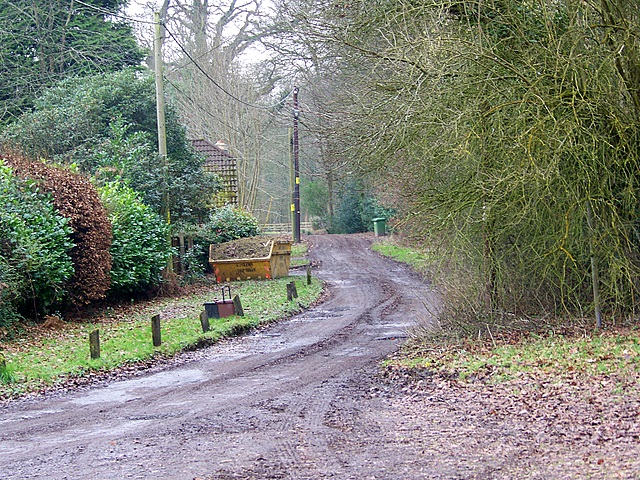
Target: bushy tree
(356, 209)
(42, 42)
(76, 199)
(348, 214)
(107, 124)
(139, 249)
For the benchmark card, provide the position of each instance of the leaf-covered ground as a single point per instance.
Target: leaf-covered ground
(522, 415)
(530, 427)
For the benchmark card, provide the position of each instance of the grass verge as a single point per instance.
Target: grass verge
(417, 259)
(299, 255)
(41, 358)
(602, 355)
(518, 348)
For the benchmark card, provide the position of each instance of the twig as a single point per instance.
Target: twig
(491, 335)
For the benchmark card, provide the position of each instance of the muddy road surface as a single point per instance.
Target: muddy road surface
(293, 401)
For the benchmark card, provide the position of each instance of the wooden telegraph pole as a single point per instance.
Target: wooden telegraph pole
(296, 170)
(162, 131)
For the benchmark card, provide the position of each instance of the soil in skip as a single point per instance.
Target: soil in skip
(244, 248)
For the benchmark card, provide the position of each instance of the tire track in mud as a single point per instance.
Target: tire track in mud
(317, 434)
(277, 403)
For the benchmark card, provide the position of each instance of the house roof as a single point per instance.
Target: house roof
(213, 152)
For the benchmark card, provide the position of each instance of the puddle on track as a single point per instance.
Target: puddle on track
(123, 391)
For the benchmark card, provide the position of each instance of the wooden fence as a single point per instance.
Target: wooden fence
(283, 228)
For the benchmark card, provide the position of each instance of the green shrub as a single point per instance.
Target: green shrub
(34, 249)
(228, 223)
(140, 248)
(11, 286)
(195, 262)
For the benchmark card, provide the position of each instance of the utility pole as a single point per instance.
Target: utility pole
(295, 207)
(292, 179)
(162, 131)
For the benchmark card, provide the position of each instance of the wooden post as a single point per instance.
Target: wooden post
(155, 331)
(182, 253)
(94, 344)
(289, 292)
(204, 321)
(308, 274)
(294, 290)
(237, 305)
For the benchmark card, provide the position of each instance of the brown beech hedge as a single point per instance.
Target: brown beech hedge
(77, 199)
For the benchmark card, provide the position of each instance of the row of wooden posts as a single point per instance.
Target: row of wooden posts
(156, 336)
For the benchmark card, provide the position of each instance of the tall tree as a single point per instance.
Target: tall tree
(501, 123)
(218, 94)
(44, 41)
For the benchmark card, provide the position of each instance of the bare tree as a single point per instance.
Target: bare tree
(219, 94)
(499, 122)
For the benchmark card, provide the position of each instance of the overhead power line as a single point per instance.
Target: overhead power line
(231, 95)
(180, 67)
(113, 14)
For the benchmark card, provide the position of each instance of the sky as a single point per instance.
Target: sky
(144, 10)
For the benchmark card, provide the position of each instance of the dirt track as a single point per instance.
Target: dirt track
(301, 400)
(294, 400)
